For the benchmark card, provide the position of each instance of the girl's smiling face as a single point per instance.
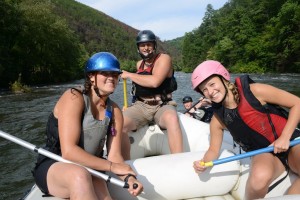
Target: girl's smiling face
(108, 81)
(213, 89)
(105, 81)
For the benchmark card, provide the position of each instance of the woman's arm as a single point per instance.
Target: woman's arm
(269, 94)
(68, 111)
(216, 138)
(114, 142)
(118, 165)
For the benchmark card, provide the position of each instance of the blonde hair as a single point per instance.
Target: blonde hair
(232, 87)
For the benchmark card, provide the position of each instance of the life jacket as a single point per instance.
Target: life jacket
(252, 124)
(168, 86)
(93, 133)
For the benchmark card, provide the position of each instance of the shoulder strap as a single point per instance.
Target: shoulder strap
(108, 111)
(109, 114)
(155, 59)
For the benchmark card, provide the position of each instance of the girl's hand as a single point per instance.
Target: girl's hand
(124, 170)
(281, 145)
(121, 169)
(198, 167)
(135, 187)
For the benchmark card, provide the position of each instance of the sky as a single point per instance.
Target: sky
(168, 19)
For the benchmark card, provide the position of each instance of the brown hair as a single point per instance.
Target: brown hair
(86, 87)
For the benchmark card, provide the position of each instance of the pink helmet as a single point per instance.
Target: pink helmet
(205, 70)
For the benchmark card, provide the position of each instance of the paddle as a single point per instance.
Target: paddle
(245, 155)
(59, 158)
(125, 93)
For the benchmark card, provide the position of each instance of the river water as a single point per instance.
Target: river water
(25, 116)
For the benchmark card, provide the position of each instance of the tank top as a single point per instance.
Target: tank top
(93, 133)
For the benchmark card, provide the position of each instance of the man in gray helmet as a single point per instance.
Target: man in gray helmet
(201, 110)
(153, 84)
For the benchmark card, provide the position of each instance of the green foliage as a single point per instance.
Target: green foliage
(251, 35)
(10, 26)
(18, 87)
(250, 67)
(128, 65)
(174, 48)
(48, 50)
(50, 41)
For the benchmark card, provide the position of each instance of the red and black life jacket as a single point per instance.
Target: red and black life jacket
(168, 85)
(252, 124)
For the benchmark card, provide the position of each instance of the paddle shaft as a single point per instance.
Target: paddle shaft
(135, 185)
(125, 92)
(245, 155)
(60, 159)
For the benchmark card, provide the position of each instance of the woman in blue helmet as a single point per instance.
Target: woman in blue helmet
(82, 122)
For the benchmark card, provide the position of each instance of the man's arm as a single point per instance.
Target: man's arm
(162, 69)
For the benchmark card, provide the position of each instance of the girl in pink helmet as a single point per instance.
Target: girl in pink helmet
(253, 114)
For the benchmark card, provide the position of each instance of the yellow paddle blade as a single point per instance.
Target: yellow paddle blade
(125, 93)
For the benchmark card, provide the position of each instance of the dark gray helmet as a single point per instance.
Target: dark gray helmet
(145, 36)
(187, 99)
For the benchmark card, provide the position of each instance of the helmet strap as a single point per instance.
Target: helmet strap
(97, 90)
(150, 55)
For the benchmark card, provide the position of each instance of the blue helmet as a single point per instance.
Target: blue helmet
(102, 61)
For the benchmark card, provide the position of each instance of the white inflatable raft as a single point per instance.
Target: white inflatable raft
(168, 176)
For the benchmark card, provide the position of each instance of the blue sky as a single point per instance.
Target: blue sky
(168, 19)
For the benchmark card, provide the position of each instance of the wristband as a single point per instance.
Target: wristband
(128, 176)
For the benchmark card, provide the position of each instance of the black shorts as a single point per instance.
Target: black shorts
(41, 170)
(40, 173)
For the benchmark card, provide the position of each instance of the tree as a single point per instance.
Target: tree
(47, 49)
(9, 15)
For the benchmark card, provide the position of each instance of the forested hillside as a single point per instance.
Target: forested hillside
(247, 36)
(49, 41)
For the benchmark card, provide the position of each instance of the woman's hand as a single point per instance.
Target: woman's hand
(198, 167)
(281, 145)
(121, 169)
(135, 187)
(124, 170)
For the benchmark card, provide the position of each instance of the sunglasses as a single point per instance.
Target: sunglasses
(112, 74)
